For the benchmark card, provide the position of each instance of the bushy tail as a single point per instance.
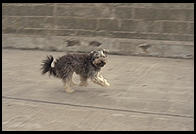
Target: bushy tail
(46, 66)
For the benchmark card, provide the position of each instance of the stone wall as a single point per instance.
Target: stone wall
(137, 24)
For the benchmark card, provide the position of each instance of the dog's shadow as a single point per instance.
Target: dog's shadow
(79, 89)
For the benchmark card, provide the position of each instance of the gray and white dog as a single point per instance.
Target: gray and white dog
(87, 66)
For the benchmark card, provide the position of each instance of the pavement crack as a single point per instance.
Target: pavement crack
(97, 107)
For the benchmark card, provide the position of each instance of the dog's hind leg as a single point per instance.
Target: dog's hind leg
(67, 84)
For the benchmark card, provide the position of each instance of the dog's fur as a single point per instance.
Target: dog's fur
(87, 66)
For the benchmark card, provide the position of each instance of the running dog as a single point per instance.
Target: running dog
(87, 66)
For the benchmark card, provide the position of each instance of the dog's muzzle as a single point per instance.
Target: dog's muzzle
(99, 62)
(102, 63)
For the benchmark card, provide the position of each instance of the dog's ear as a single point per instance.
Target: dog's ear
(106, 51)
(91, 53)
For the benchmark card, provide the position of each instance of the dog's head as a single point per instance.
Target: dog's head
(98, 57)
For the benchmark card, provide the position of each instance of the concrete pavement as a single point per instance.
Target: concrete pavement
(146, 93)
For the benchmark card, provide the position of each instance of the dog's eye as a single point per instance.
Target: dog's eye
(96, 55)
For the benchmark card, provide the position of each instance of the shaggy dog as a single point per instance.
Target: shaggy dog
(87, 66)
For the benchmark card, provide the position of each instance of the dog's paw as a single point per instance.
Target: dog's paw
(104, 83)
(85, 84)
(69, 90)
(107, 84)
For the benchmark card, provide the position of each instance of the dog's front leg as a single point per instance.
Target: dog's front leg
(103, 79)
(72, 83)
(98, 79)
(83, 81)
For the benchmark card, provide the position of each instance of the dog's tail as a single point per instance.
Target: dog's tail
(46, 66)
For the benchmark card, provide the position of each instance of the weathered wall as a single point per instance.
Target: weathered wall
(132, 22)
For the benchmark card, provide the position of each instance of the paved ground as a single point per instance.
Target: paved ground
(146, 93)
